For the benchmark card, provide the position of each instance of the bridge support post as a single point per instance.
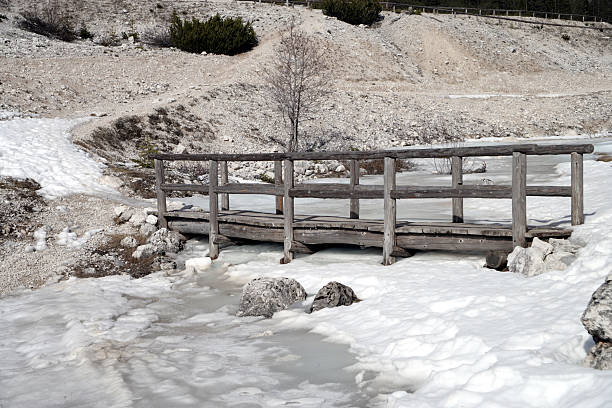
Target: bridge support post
(390, 212)
(278, 181)
(288, 211)
(354, 169)
(213, 245)
(577, 190)
(457, 180)
(519, 199)
(161, 195)
(224, 181)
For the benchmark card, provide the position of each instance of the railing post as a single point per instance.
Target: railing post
(278, 181)
(519, 199)
(354, 170)
(161, 195)
(224, 181)
(390, 212)
(288, 211)
(457, 180)
(213, 221)
(577, 190)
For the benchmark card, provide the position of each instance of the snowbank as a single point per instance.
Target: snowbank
(41, 149)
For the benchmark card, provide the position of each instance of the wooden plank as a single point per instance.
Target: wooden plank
(224, 181)
(336, 190)
(250, 188)
(189, 227)
(213, 173)
(288, 211)
(160, 193)
(476, 191)
(198, 188)
(577, 189)
(354, 174)
(403, 252)
(278, 182)
(519, 199)
(411, 153)
(457, 182)
(452, 243)
(390, 212)
(301, 248)
(338, 237)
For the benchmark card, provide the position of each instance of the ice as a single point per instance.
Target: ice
(41, 149)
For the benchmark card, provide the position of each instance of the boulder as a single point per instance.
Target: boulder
(151, 219)
(265, 296)
(164, 240)
(144, 251)
(138, 218)
(333, 294)
(600, 356)
(540, 257)
(597, 318)
(147, 229)
(125, 215)
(129, 242)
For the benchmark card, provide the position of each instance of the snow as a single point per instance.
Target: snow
(434, 330)
(41, 149)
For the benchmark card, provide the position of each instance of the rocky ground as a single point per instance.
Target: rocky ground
(408, 79)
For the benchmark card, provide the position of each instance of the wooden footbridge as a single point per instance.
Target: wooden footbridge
(300, 233)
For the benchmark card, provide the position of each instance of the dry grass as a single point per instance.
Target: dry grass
(605, 158)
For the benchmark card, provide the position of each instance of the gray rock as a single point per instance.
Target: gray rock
(144, 251)
(597, 318)
(125, 215)
(129, 242)
(265, 296)
(526, 261)
(164, 240)
(600, 356)
(147, 229)
(333, 294)
(138, 218)
(151, 219)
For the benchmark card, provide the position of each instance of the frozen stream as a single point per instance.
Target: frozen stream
(437, 323)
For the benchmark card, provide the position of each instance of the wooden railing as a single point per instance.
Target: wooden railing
(286, 190)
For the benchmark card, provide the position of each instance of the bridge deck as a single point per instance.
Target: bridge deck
(329, 230)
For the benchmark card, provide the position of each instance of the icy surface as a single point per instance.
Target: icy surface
(41, 149)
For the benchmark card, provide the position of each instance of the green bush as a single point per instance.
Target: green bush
(353, 11)
(216, 35)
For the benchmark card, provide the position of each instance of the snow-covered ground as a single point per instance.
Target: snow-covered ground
(434, 330)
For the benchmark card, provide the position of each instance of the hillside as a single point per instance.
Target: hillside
(409, 79)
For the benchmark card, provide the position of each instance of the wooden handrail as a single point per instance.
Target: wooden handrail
(285, 189)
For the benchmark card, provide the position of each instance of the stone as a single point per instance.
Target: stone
(526, 261)
(144, 251)
(138, 218)
(164, 240)
(600, 356)
(265, 296)
(147, 229)
(151, 219)
(340, 169)
(332, 295)
(542, 247)
(129, 242)
(179, 149)
(119, 210)
(597, 318)
(125, 215)
(196, 265)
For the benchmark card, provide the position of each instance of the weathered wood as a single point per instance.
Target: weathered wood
(196, 188)
(354, 174)
(224, 181)
(403, 252)
(251, 188)
(457, 182)
(301, 248)
(519, 199)
(496, 260)
(336, 190)
(390, 212)
(577, 189)
(213, 173)
(453, 243)
(412, 153)
(338, 237)
(288, 211)
(278, 182)
(160, 193)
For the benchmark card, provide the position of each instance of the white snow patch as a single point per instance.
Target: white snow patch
(70, 239)
(41, 149)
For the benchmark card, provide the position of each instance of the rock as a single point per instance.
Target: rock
(179, 149)
(151, 219)
(542, 247)
(164, 240)
(129, 242)
(119, 210)
(332, 295)
(125, 215)
(147, 229)
(145, 251)
(197, 264)
(563, 245)
(597, 318)
(340, 169)
(138, 218)
(525, 261)
(600, 356)
(265, 296)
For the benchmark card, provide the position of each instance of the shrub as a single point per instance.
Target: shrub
(217, 35)
(110, 39)
(84, 33)
(3, 17)
(156, 36)
(353, 11)
(50, 21)
(565, 37)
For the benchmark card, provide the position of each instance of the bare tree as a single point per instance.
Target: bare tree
(297, 80)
